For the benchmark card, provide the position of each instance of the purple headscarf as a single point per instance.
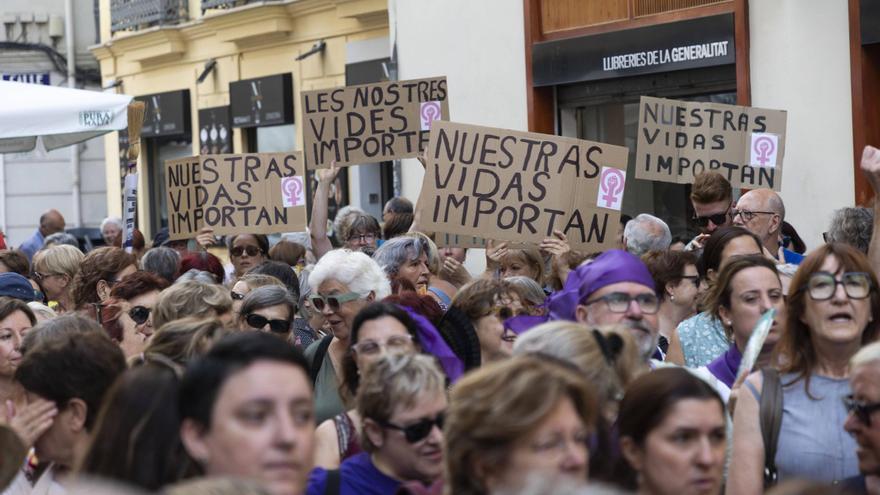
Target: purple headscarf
(433, 344)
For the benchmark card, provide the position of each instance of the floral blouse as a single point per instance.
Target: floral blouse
(702, 339)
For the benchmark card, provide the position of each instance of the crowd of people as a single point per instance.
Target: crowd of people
(363, 358)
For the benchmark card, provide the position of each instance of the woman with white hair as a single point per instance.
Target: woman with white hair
(342, 283)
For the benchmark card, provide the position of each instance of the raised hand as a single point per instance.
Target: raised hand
(32, 421)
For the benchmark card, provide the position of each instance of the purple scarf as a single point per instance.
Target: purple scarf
(432, 343)
(725, 366)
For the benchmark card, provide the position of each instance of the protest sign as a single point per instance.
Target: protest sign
(678, 140)
(520, 187)
(255, 193)
(371, 122)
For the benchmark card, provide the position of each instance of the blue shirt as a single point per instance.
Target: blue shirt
(702, 339)
(358, 476)
(792, 257)
(32, 245)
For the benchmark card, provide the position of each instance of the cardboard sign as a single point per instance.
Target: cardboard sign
(519, 186)
(678, 140)
(371, 122)
(255, 193)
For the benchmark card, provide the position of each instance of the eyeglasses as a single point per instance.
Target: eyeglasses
(396, 344)
(505, 313)
(618, 302)
(39, 277)
(417, 432)
(693, 278)
(717, 219)
(862, 410)
(362, 238)
(139, 314)
(747, 215)
(236, 296)
(823, 285)
(250, 250)
(334, 301)
(258, 321)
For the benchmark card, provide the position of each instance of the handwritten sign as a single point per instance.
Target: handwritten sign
(235, 194)
(520, 187)
(371, 122)
(678, 140)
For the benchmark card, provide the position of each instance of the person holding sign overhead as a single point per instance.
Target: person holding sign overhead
(362, 231)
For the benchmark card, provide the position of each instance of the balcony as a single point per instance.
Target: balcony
(224, 4)
(132, 15)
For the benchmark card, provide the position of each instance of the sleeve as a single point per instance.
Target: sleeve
(317, 482)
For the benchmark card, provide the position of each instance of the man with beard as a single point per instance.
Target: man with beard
(863, 421)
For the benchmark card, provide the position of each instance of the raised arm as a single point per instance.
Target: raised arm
(871, 168)
(318, 224)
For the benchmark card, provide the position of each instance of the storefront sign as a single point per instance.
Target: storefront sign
(254, 193)
(166, 114)
(520, 187)
(215, 133)
(690, 44)
(678, 140)
(262, 101)
(26, 77)
(371, 122)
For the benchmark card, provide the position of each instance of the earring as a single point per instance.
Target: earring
(672, 297)
(728, 322)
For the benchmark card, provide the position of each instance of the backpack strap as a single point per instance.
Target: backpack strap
(318, 358)
(771, 421)
(333, 482)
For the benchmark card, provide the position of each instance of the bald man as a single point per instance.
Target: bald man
(762, 212)
(50, 222)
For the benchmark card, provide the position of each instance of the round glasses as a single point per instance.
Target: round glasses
(396, 344)
(619, 302)
(823, 285)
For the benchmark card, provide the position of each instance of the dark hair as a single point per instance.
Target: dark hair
(795, 351)
(667, 268)
(265, 297)
(16, 261)
(648, 401)
(287, 252)
(101, 264)
(137, 240)
(137, 434)
(68, 324)
(399, 205)
(397, 225)
(350, 377)
(163, 261)
(797, 244)
(138, 284)
(262, 242)
(360, 223)
(72, 365)
(205, 376)
(203, 261)
(281, 271)
(9, 305)
(714, 247)
(422, 304)
(720, 292)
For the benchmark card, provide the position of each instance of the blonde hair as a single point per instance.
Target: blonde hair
(60, 259)
(494, 407)
(396, 381)
(867, 355)
(531, 257)
(191, 299)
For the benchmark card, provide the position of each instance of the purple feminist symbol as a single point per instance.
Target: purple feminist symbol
(611, 185)
(429, 112)
(764, 147)
(292, 187)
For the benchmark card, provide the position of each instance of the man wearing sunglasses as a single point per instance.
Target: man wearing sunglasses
(712, 199)
(761, 211)
(863, 421)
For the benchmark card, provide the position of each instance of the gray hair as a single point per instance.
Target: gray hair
(866, 355)
(267, 296)
(163, 261)
(339, 223)
(354, 269)
(395, 252)
(646, 233)
(853, 226)
(196, 275)
(60, 238)
(111, 220)
(527, 289)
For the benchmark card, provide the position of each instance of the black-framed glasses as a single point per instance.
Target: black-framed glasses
(236, 296)
(505, 313)
(747, 215)
(139, 314)
(695, 279)
(717, 219)
(250, 250)
(368, 237)
(259, 321)
(335, 301)
(619, 302)
(417, 432)
(862, 410)
(39, 277)
(823, 285)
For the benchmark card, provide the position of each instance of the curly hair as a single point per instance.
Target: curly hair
(853, 226)
(101, 264)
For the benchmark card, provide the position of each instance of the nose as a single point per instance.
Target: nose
(575, 458)
(285, 437)
(705, 455)
(852, 424)
(840, 293)
(634, 311)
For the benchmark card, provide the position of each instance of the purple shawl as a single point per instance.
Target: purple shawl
(432, 343)
(725, 366)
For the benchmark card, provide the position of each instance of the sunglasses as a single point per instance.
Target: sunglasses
(139, 314)
(335, 301)
(250, 250)
(505, 313)
(862, 410)
(236, 296)
(693, 278)
(417, 432)
(276, 326)
(823, 285)
(717, 219)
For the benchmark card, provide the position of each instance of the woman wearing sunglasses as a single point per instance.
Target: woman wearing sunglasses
(831, 303)
(128, 315)
(378, 330)
(488, 303)
(268, 309)
(342, 283)
(247, 283)
(402, 403)
(54, 269)
(247, 251)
